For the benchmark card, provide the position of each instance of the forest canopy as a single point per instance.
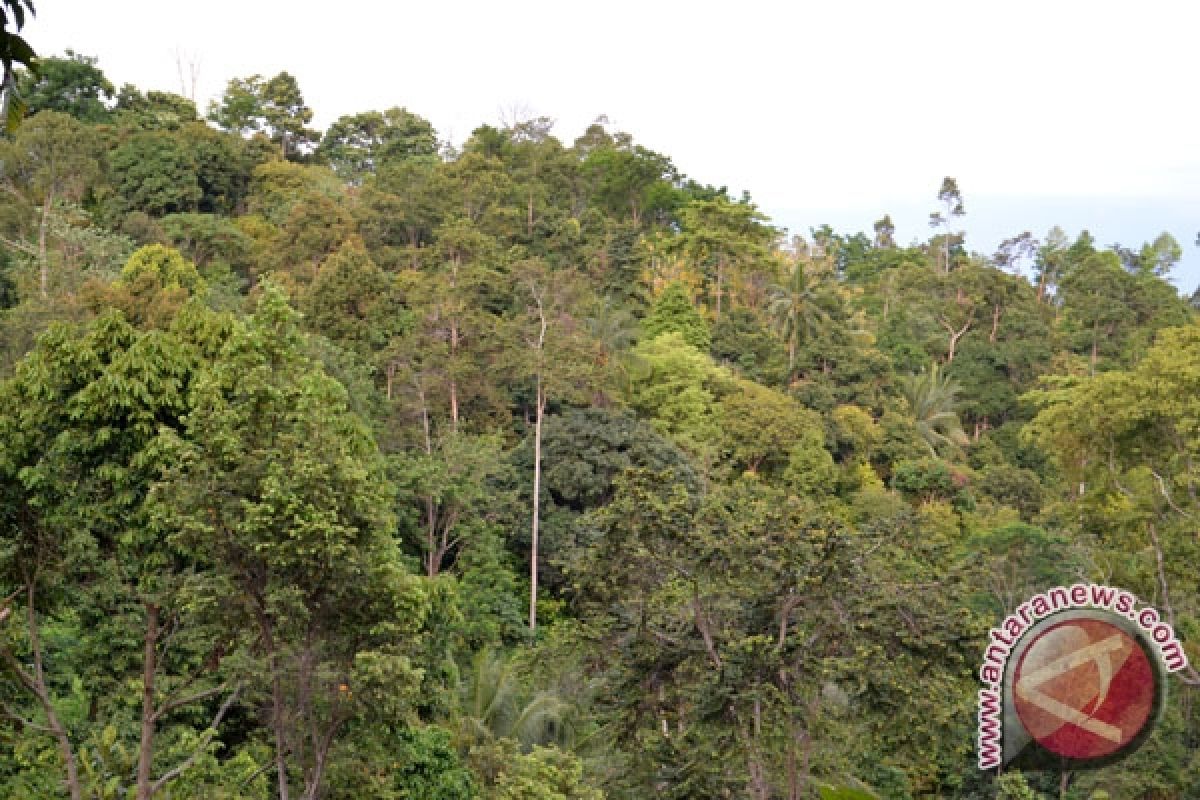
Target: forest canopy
(353, 463)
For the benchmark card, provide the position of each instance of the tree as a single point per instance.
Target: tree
(1051, 261)
(951, 199)
(1160, 256)
(153, 110)
(52, 158)
(626, 179)
(885, 232)
(72, 85)
(1127, 443)
(357, 145)
(723, 237)
(797, 305)
(1015, 251)
(154, 172)
(762, 428)
(347, 302)
(281, 491)
(91, 405)
(673, 313)
(152, 288)
(559, 358)
(274, 107)
(931, 397)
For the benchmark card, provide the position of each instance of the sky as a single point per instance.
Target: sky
(1055, 112)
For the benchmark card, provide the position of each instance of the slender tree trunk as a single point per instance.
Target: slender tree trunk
(537, 498)
(720, 280)
(1095, 346)
(149, 668)
(995, 323)
(454, 347)
(35, 683)
(43, 264)
(277, 726)
(792, 358)
(432, 560)
(1041, 287)
(758, 779)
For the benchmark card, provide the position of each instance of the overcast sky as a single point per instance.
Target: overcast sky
(1081, 114)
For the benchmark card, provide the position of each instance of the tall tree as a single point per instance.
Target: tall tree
(952, 210)
(272, 106)
(798, 304)
(559, 358)
(281, 490)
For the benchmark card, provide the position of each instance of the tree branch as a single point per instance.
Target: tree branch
(13, 715)
(175, 772)
(188, 700)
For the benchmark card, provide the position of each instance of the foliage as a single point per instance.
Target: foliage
(673, 313)
(535, 468)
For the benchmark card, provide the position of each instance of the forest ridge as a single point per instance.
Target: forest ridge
(351, 464)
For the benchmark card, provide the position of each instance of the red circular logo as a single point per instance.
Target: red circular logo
(1084, 689)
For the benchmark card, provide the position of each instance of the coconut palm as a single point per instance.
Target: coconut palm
(933, 398)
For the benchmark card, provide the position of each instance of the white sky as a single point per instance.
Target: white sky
(1082, 114)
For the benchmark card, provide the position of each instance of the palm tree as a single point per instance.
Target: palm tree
(494, 705)
(933, 398)
(795, 307)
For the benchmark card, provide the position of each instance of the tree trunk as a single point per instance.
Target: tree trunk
(956, 335)
(1095, 346)
(455, 263)
(149, 668)
(792, 359)
(277, 704)
(432, 559)
(995, 323)
(537, 489)
(720, 280)
(43, 264)
(36, 684)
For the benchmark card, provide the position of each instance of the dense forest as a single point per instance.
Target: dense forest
(354, 464)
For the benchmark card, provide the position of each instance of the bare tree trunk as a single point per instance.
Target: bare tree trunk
(539, 347)
(149, 667)
(455, 263)
(995, 323)
(537, 490)
(956, 335)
